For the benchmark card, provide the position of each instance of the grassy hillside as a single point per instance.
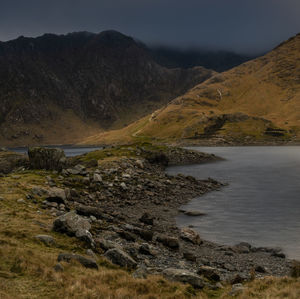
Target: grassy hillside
(258, 101)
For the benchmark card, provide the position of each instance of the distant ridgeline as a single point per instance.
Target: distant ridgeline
(256, 102)
(216, 60)
(61, 88)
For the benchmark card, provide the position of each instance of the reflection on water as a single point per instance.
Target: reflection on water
(261, 205)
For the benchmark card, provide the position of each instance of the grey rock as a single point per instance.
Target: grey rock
(106, 244)
(121, 258)
(141, 272)
(86, 262)
(85, 236)
(97, 178)
(236, 289)
(184, 276)
(190, 235)
(56, 195)
(46, 158)
(147, 219)
(78, 169)
(209, 273)
(190, 256)
(91, 253)
(170, 242)
(20, 200)
(59, 268)
(194, 213)
(46, 239)
(71, 223)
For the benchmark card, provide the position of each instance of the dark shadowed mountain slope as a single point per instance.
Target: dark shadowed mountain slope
(57, 89)
(256, 102)
(216, 60)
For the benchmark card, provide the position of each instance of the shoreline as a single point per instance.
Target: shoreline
(132, 203)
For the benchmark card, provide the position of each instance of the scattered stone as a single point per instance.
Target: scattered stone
(86, 262)
(190, 235)
(170, 242)
(121, 258)
(91, 253)
(190, 256)
(20, 200)
(184, 276)
(46, 239)
(236, 289)
(59, 268)
(97, 178)
(70, 223)
(141, 273)
(260, 269)
(57, 195)
(209, 273)
(192, 213)
(278, 254)
(77, 170)
(145, 249)
(105, 244)
(147, 219)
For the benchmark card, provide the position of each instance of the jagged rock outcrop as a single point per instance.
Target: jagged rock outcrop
(55, 88)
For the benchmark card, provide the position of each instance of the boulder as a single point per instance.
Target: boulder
(236, 289)
(121, 258)
(10, 161)
(184, 276)
(170, 242)
(97, 178)
(47, 240)
(70, 224)
(84, 261)
(78, 169)
(209, 273)
(57, 195)
(105, 244)
(90, 211)
(190, 235)
(58, 268)
(147, 219)
(46, 158)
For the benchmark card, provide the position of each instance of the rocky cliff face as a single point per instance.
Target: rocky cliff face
(53, 87)
(257, 102)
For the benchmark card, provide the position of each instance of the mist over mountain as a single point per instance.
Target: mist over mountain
(58, 88)
(186, 58)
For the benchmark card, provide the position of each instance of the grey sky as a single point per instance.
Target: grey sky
(240, 25)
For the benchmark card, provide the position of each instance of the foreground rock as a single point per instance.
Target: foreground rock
(128, 206)
(46, 158)
(184, 276)
(74, 225)
(84, 261)
(119, 257)
(10, 161)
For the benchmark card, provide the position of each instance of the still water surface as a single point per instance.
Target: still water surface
(70, 151)
(261, 204)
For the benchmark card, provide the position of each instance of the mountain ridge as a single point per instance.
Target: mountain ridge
(257, 102)
(101, 81)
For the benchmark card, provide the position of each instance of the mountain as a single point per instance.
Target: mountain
(256, 102)
(219, 61)
(60, 88)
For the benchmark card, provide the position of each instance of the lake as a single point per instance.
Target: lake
(70, 151)
(261, 204)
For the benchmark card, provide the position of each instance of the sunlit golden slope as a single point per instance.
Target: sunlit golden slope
(258, 101)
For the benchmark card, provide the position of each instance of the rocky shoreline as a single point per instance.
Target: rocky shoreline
(121, 204)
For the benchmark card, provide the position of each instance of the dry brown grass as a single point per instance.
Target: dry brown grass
(267, 87)
(26, 266)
